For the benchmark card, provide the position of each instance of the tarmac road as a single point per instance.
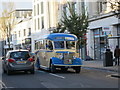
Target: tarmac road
(88, 78)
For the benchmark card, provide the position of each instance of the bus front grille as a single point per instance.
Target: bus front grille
(68, 58)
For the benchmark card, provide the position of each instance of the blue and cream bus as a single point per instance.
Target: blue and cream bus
(58, 50)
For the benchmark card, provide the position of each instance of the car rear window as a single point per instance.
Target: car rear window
(20, 55)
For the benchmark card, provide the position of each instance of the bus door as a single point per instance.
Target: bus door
(49, 52)
(41, 53)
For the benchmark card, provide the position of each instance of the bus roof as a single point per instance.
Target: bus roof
(61, 37)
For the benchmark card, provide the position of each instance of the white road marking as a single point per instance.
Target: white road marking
(57, 75)
(82, 85)
(51, 74)
(109, 76)
(2, 84)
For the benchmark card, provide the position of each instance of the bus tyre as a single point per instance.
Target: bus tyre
(64, 69)
(52, 68)
(78, 69)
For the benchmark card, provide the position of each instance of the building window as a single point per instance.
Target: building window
(100, 7)
(17, 14)
(38, 8)
(11, 38)
(118, 31)
(35, 24)
(19, 34)
(74, 6)
(24, 32)
(15, 35)
(42, 22)
(38, 23)
(42, 8)
(29, 32)
(83, 6)
(34, 10)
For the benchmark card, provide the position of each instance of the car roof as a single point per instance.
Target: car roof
(17, 50)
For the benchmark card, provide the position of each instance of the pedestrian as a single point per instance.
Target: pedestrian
(117, 55)
(37, 63)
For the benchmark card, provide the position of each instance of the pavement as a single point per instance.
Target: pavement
(98, 64)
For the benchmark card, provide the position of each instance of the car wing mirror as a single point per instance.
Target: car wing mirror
(2, 58)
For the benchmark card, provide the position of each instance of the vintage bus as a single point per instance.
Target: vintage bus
(58, 50)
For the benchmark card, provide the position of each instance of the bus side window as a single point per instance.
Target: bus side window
(41, 45)
(49, 45)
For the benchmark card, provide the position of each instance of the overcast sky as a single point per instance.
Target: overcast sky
(19, 4)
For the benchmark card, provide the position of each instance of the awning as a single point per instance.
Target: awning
(114, 37)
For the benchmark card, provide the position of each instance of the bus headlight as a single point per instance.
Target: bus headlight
(61, 57)
(74, 57)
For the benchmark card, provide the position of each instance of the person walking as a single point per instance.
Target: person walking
(117, 55)
(37, 63)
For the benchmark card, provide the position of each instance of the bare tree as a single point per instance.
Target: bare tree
(7, 21)
(114, 4)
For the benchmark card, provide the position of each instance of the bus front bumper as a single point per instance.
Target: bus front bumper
(66, 65)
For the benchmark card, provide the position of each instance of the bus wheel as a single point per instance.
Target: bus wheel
(64, 69)
(52, 68)
(78, 69)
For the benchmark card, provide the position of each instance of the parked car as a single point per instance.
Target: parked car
(18, 60)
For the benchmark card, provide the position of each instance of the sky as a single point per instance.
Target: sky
(19, 4)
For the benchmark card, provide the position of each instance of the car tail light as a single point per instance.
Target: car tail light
(11, 60)
(30, 59)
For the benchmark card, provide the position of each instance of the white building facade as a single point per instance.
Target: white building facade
(103, 24)
(21, 34)
(45, 15)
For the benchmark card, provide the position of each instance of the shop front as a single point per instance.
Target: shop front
(100, 43)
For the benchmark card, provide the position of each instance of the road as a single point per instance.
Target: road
(88, 78)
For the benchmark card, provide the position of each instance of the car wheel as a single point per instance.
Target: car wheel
(78, 69)
(4, 71)
(52, 68)
(8, 72)
(32, 71)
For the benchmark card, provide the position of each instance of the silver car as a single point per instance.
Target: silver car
(18, 60)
